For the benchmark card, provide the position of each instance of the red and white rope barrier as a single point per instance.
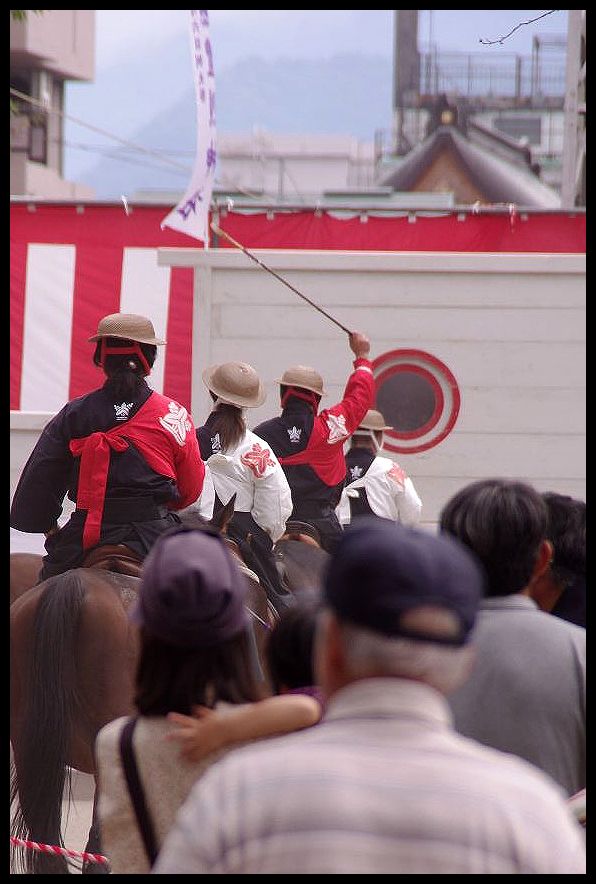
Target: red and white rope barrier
(59, 851)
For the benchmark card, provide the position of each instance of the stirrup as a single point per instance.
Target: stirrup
(119, 558)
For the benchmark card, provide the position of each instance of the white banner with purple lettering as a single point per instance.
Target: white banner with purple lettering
(191, 215)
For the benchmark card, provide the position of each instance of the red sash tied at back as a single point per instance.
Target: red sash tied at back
(148, 436)
(94, 451)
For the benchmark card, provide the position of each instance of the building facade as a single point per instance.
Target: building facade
(47, 48)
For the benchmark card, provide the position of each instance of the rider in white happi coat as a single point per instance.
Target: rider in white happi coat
(241, 463)
(376, 485)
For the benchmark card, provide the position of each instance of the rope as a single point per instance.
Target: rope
(60, 851)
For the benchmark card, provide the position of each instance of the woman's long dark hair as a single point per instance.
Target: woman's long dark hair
(173, 679)
(125, 374)
(227, 420)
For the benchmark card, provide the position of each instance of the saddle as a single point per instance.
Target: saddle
(302, 531)
(118, 558)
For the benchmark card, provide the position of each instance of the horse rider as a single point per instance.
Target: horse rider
(376, 485)
(240, 462)
(126, 455)
(310, 445)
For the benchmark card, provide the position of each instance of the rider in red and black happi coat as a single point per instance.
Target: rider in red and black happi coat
(309, 445)
(125, 455)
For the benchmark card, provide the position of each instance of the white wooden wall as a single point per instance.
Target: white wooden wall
(511, 328)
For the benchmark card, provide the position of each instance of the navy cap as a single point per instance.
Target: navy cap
(381, 569)
(191, 592)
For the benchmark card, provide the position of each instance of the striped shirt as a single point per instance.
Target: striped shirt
(382, 785)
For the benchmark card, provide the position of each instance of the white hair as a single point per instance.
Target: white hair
(369, 654)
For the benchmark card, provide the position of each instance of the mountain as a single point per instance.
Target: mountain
(348, 94)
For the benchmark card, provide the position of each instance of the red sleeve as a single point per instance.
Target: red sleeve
(190, 470)
(359, 396)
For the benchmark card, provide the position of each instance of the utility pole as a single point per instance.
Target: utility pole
(571, 118)
(406, 72)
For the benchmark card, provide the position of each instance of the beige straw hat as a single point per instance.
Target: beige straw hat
(373, 420)
(302, 376)
(129, 326)
(236, 383)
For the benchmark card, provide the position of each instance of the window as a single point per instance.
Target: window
(520, 127)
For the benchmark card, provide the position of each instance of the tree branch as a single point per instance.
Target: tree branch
(521, 24)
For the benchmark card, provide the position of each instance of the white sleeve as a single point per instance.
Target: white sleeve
(272, 501)
(342, 510)
(206, 499)
(409, 505)
(205, 502)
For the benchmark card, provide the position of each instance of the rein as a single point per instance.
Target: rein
(256, 616)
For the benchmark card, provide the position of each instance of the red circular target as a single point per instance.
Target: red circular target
(419, 398)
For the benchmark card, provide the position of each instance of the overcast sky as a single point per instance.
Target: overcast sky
(127, 90)
(273, 31)
(318, 32)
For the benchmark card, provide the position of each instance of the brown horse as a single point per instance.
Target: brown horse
(24, 572)
(301, 565)
(73, 662)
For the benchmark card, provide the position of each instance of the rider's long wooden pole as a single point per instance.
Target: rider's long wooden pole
(254, 258)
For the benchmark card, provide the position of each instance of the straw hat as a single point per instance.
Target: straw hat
(129, 326)
(304, 377)
(236, 383)
(373, 420)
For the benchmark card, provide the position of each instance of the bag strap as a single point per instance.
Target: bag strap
(135, 789)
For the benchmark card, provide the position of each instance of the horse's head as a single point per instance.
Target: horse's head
(222, 519)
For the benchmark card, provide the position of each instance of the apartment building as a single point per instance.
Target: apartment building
(47, 48)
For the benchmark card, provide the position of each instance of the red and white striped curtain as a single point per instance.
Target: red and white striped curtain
(70, 265)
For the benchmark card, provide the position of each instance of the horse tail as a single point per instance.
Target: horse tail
(39, 780)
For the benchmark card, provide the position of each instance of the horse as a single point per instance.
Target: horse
(24, 571)
(72, 669)
(301, 560)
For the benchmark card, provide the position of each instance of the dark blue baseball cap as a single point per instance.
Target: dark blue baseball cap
(191, 592)
(380, 570)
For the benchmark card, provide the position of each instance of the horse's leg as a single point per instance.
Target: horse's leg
(94, 842)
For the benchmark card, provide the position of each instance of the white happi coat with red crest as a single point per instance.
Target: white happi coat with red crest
(253, 473)
(389, 491)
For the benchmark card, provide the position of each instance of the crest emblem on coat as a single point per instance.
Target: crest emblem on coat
(294, 433)
(123, 410)
(397, 474)
(337, 428)
(215, 443)
(355, 472)
(257, 460)
(176, 422)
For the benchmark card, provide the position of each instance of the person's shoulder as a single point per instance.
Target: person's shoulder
(570, 631)
(522, 610)
(79, 403)
(257, 443)
(503, 773)
(556, 626)
(167, 401)
(109, 734)
(384, 463)
(267, 425)
(252, 436)
(272, 751)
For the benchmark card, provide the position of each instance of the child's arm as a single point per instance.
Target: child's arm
(210, 730)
